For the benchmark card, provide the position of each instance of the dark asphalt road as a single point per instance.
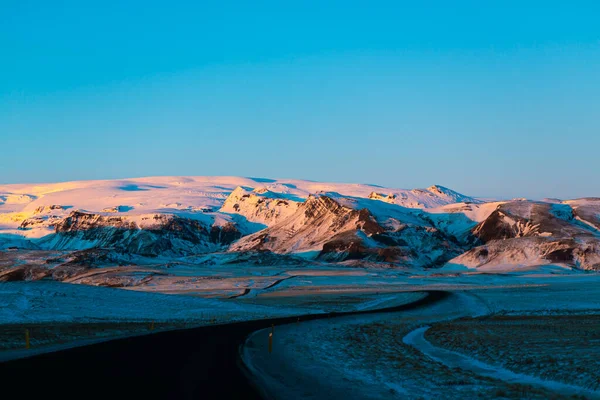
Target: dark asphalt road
(199, 363)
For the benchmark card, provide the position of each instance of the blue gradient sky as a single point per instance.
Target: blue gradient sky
(491, 100)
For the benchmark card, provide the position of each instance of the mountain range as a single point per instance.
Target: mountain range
(62, 230)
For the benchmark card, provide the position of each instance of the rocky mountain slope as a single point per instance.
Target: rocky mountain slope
(535, 233)
(165, 219)
(336, 229)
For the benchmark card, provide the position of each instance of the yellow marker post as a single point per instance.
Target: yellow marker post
(152, 326)
(27, 339)
(270, 342)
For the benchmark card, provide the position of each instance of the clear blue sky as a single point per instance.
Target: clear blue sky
(488, 98)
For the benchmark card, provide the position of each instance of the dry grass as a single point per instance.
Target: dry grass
(561, 348)
(377, 348)
(13, 336)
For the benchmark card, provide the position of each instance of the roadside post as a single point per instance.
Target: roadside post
(271, 338)
(27, 339)
(270, 342)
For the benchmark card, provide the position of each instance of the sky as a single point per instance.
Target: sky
(497, 99)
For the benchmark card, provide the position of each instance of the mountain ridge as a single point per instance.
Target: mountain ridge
(173, 217)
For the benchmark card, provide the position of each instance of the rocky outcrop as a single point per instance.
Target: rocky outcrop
(38, 222)
(335, 232)
(147, 235)
(534, 251)
(586, 211)
(314, 223)
(24, 272)
(433, 196)
(518, 219)
(260, 206)
(344, 246)
(48, 209)
(224, 234)
(388, 198)
(116, 209)
(526, 233)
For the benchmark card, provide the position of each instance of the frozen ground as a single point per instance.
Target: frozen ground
(464, 362)
(239, 292)
(48, 306)
(42, 301)
(366, 357)
(559, 349)
(57, 312)
(49, 337)
(39, 301)
(269, 284)
(222, 294)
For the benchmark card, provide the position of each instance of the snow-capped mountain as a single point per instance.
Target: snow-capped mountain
(167, 218)
(340, 228)
(533, 233)
(112, 212)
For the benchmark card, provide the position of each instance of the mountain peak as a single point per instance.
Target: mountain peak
(449, 194)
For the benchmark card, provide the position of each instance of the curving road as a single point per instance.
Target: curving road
(199, 363)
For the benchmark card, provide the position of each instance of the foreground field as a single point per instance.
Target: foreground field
(362, 356)
(12, 336)
(366, 356)
(58, 314)
(558, 348)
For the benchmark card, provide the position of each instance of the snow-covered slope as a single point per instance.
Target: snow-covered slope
(314, 223)
(433, 196)
(340, 228)
(261, 205)
(194, 193)
(525, 233)
(35, 216)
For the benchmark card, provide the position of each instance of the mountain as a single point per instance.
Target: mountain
(535, 233)
(164, 219)
(336, 228)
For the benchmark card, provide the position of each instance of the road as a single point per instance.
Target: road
(198, 363)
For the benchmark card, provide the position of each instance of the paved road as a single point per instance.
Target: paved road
(199, 363)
